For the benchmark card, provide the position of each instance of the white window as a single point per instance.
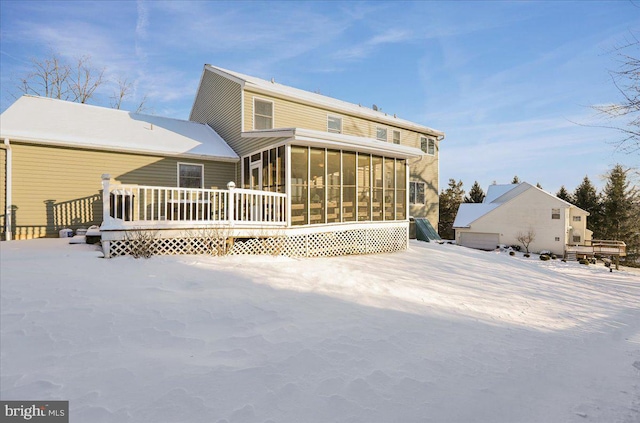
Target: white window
(577, 218)
(396, 137)
(555, 213)
(428, 145)
(381, 134)
(190, 175)
(334, 124)
(576, 238)
(262, 114)
(416, 192)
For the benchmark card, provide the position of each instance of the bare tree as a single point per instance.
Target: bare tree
(85, 81)
(526, 238)
(624, 116)
(55, 78)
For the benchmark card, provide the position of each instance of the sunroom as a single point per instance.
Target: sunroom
(315, 193)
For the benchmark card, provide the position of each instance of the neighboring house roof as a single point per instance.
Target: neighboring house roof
(313, 138)
(277, 89)
(496, 196)
(56, 122)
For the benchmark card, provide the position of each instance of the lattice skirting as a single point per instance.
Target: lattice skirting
(320, 244)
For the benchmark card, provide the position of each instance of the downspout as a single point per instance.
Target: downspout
(8, 217)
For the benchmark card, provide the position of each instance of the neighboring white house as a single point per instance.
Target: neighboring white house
(508, 210)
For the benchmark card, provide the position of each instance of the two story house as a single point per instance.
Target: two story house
(350, 151)
(327, 176)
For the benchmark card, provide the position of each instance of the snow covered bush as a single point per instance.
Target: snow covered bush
(141, 243)
(512, 253)
(544, 257)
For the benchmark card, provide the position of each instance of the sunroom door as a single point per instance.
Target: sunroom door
(255, 176)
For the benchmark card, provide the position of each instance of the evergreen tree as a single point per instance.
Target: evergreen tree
(621, 220)
(515, 180)
(586, 197)
(563, 194)
(476, 194)
(450, 200)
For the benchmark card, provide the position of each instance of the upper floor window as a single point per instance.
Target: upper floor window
(577, 218)
(334, 124)
(555, 213)
(416, 192)
(381, 134)
(396, 137)
(190, 175)
(262, 114)
(428, 145)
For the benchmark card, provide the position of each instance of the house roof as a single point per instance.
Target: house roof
(57, 122)
(323, 139)
(496, 196)
(274, 88)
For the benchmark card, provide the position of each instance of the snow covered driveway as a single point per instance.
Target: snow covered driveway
(439, 333)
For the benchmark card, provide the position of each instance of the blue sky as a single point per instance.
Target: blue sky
(506, 81)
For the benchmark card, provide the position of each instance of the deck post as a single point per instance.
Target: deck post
(106, 205)
(106, 211)
(231, 204)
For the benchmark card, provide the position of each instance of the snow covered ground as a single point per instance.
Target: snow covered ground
(439, 333)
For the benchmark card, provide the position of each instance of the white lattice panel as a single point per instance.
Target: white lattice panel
(319, 244)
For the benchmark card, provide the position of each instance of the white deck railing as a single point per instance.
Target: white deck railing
(132, 205)
(599, 246)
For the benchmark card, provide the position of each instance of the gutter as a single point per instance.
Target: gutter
(8, 218)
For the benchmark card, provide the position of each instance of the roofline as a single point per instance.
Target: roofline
(366, 113)
(54, 143)
(326, 139)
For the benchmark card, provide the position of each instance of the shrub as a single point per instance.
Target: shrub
(512, 253)
(554, 257)
(584, 261)
(527, 255)
(544, 257)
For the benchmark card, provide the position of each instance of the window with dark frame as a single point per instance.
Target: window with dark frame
(555, 214)
(190, 175)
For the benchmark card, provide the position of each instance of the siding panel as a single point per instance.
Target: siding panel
(218, 104)
(57, 187)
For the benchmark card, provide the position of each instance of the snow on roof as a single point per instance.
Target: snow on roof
(496, 196)
(496, 191)
(50, 121)
(321, 100)
(470, 212)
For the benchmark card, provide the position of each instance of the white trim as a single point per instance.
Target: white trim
(335, 117)
(190, 164)
(39, 141)
(273, 112)
(314, 138)
(287, 153)
(8, 216)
